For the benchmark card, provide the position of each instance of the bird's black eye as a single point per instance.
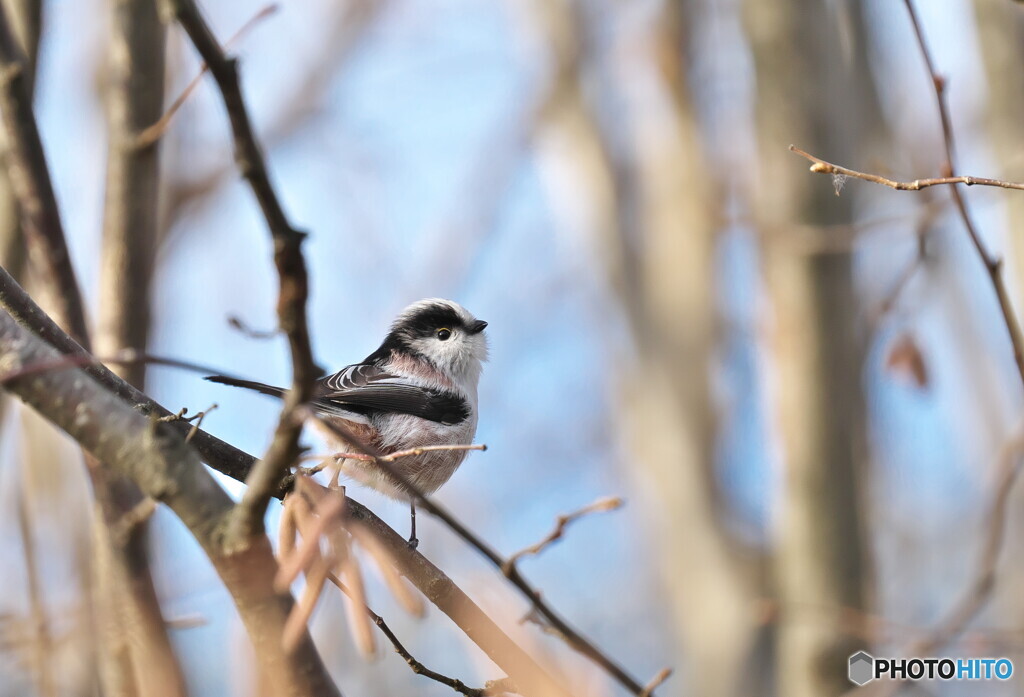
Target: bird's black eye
(444, 334)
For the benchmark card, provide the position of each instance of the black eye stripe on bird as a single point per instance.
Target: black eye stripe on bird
(416, 389)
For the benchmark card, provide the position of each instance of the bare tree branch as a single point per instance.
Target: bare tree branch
(291, 267)
(822, 167)
(25, 162)
(993, 265)
(152, 133)
(13, 298)
(561, 523)
(400, 649)
(443, 593)
(227, 459)
(165, 468)
(135, 629)
(562, 627)
(663, 675)
(130, 209)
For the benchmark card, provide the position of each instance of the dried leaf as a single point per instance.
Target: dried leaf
(905, 360)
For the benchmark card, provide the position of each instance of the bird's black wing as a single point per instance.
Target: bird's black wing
(367, 389)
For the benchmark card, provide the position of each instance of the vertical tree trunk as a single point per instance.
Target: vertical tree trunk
(669, 220)
(814, 90)
(639, 189)
(139, 657)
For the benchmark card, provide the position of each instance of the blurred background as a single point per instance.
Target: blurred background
(802, 387)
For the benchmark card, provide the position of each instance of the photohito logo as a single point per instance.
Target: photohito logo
(863, 668)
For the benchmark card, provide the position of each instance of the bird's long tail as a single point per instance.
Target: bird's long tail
(247, 384)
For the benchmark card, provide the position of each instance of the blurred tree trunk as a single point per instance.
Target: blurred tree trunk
(814, 90)
(666, 263)
(1001, 43)
(137, 651)
(638, 187)
(26, 19)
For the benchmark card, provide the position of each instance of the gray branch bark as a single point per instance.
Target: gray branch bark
(166, 468)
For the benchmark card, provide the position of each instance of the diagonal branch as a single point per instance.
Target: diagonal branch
(228, 460)
(123, 572)
(602, 505)
(16, 302)
(26, 166)
(157, 459)
(293, 289)
(414, 665)
(561, 626)
(447, 597)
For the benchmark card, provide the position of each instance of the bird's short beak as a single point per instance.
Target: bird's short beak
(477, 326)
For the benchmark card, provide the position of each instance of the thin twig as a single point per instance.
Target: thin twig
(993, 265)
(123, 357)
(820, 166)
(655, 682)
(400, 649)
(156, 131)
(570, 635)
(411, 452)
(237, 324)
(561, 523)
(293, 289)
(224, 457)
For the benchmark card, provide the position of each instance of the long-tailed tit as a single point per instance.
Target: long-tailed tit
(418, 389)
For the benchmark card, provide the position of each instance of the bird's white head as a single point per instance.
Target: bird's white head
(447, 335)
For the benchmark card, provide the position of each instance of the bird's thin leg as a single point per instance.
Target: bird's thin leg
(413, 542)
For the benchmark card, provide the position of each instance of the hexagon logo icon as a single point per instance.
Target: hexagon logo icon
(861, 670)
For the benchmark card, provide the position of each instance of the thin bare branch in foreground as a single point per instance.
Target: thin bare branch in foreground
(411, 452)
(239, 325)
(156, 131)
(656, 681)
(820, 166)
(400, 649)
(602, 505)
(435, 585)
(159, 461)
(567, 632)
(293, 290)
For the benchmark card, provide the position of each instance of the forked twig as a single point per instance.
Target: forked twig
(602, 505)
(561, 627)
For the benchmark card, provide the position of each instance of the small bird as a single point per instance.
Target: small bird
(418, 389)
